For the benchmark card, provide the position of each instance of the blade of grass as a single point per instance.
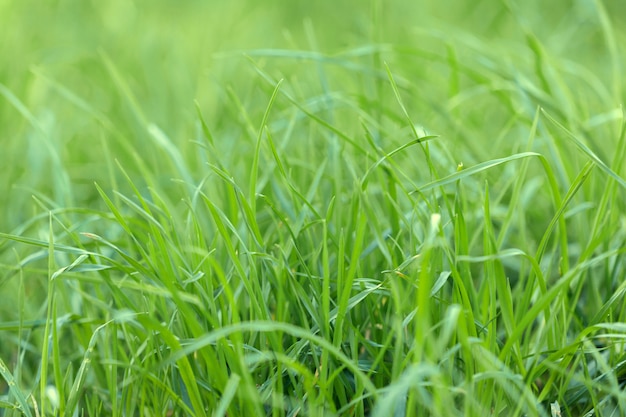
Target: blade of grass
(227, 397)
(270, 326)
(14, 391)
(257, 151)
(467, 172)
(580, 145)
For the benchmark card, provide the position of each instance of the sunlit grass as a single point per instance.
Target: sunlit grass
(423, 217)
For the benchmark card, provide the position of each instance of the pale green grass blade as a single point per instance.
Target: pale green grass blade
(75, 99)
(412, 125)
(59, 173)
(346, 280)
(15, 391)
(205, 128)
(229, 393)
(44, 244)
(122, 85)
(617, 64)
(56, 361)
(422, 139)
(467, 172)
(165, 143)
(502, 290)
(580, 145)
(254, 169)
(51, 306)
(558, 216)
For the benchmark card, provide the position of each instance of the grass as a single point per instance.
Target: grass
(360, 209)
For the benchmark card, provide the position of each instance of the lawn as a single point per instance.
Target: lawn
(283, 208)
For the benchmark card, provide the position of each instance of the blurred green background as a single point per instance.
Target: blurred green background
(81, 80)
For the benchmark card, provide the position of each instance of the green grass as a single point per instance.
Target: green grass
(344, 208)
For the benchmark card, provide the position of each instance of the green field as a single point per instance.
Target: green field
(284, 208)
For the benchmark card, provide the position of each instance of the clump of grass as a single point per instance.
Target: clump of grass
(390, 230)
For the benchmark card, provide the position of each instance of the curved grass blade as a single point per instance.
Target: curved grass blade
(14, 390)
(604, 167)
(483, 166)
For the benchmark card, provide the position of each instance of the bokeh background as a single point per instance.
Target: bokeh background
(81, 80)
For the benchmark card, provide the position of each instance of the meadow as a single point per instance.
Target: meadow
(282, 208)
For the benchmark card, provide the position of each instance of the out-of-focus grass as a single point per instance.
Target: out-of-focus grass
(354, 208)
